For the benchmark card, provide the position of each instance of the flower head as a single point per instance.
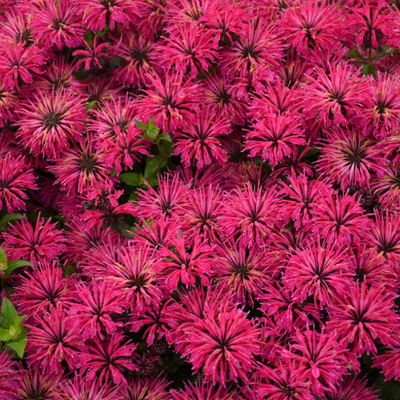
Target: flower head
(107, 361)
(51, 122)
(223, 345)
(36, 243)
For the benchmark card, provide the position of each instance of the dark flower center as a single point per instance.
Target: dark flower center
(52, 119)
(242, 270)
(250, 51)
(355, 156)
(139, 55)
(24, 36)
(88, 162)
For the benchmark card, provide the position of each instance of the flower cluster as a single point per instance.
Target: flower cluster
(208, 193)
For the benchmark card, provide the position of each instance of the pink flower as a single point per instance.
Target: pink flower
(389, 362)
(169, 195)
(36, 244)
(15, 28)
(243, 271)
(94, 56)
(8, 104)
(340, 219)
(8, 378)
(352, 388)
(16, 177)
(384, 238)
(319, 271)
(301, 195)
(42, 288)
(350, 159)
(53, 342)
(185, 264)
(257, 46)
(313, 25)
(125, 149)
(50, 122)
(286, 381)
(222, 98)
(372, 21)
(107, 361)
(198, 215)
(199, 142)
(47, 384)
(188, 49)
(335, 98)
(250, 215)
(134, 272)
(321, 356)
(201, 390)
(82, 168)
(18, 62)
(56, 24)
(156, 318)
(142, 56)
(272, 138)
(97, 14)
(80, 389)
(382, 116)
(223, 345)
(113, 115)
(388, 188)
(363, 317)
(171, 100)
(149, 389)
(93, 314)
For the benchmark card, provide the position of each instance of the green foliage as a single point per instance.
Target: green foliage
(155, 163)
(369, 69)
(12, 334)
(8, 218)
(8, 267)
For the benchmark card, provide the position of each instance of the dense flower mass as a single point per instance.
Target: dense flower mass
(199, 200)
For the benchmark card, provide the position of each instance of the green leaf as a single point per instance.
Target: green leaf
(141, 125)
(12, 265)
(132, 178)
(167, 148)
(3, 260)
(89, 38)
(103, 32)
(8, 311)
(90, 105)
(150, 134)
(165, 136)
(8, 218)
(152, 181)
(153, 165)
(369, 69)
(5, 335)
(18, 346)
(355, 54)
